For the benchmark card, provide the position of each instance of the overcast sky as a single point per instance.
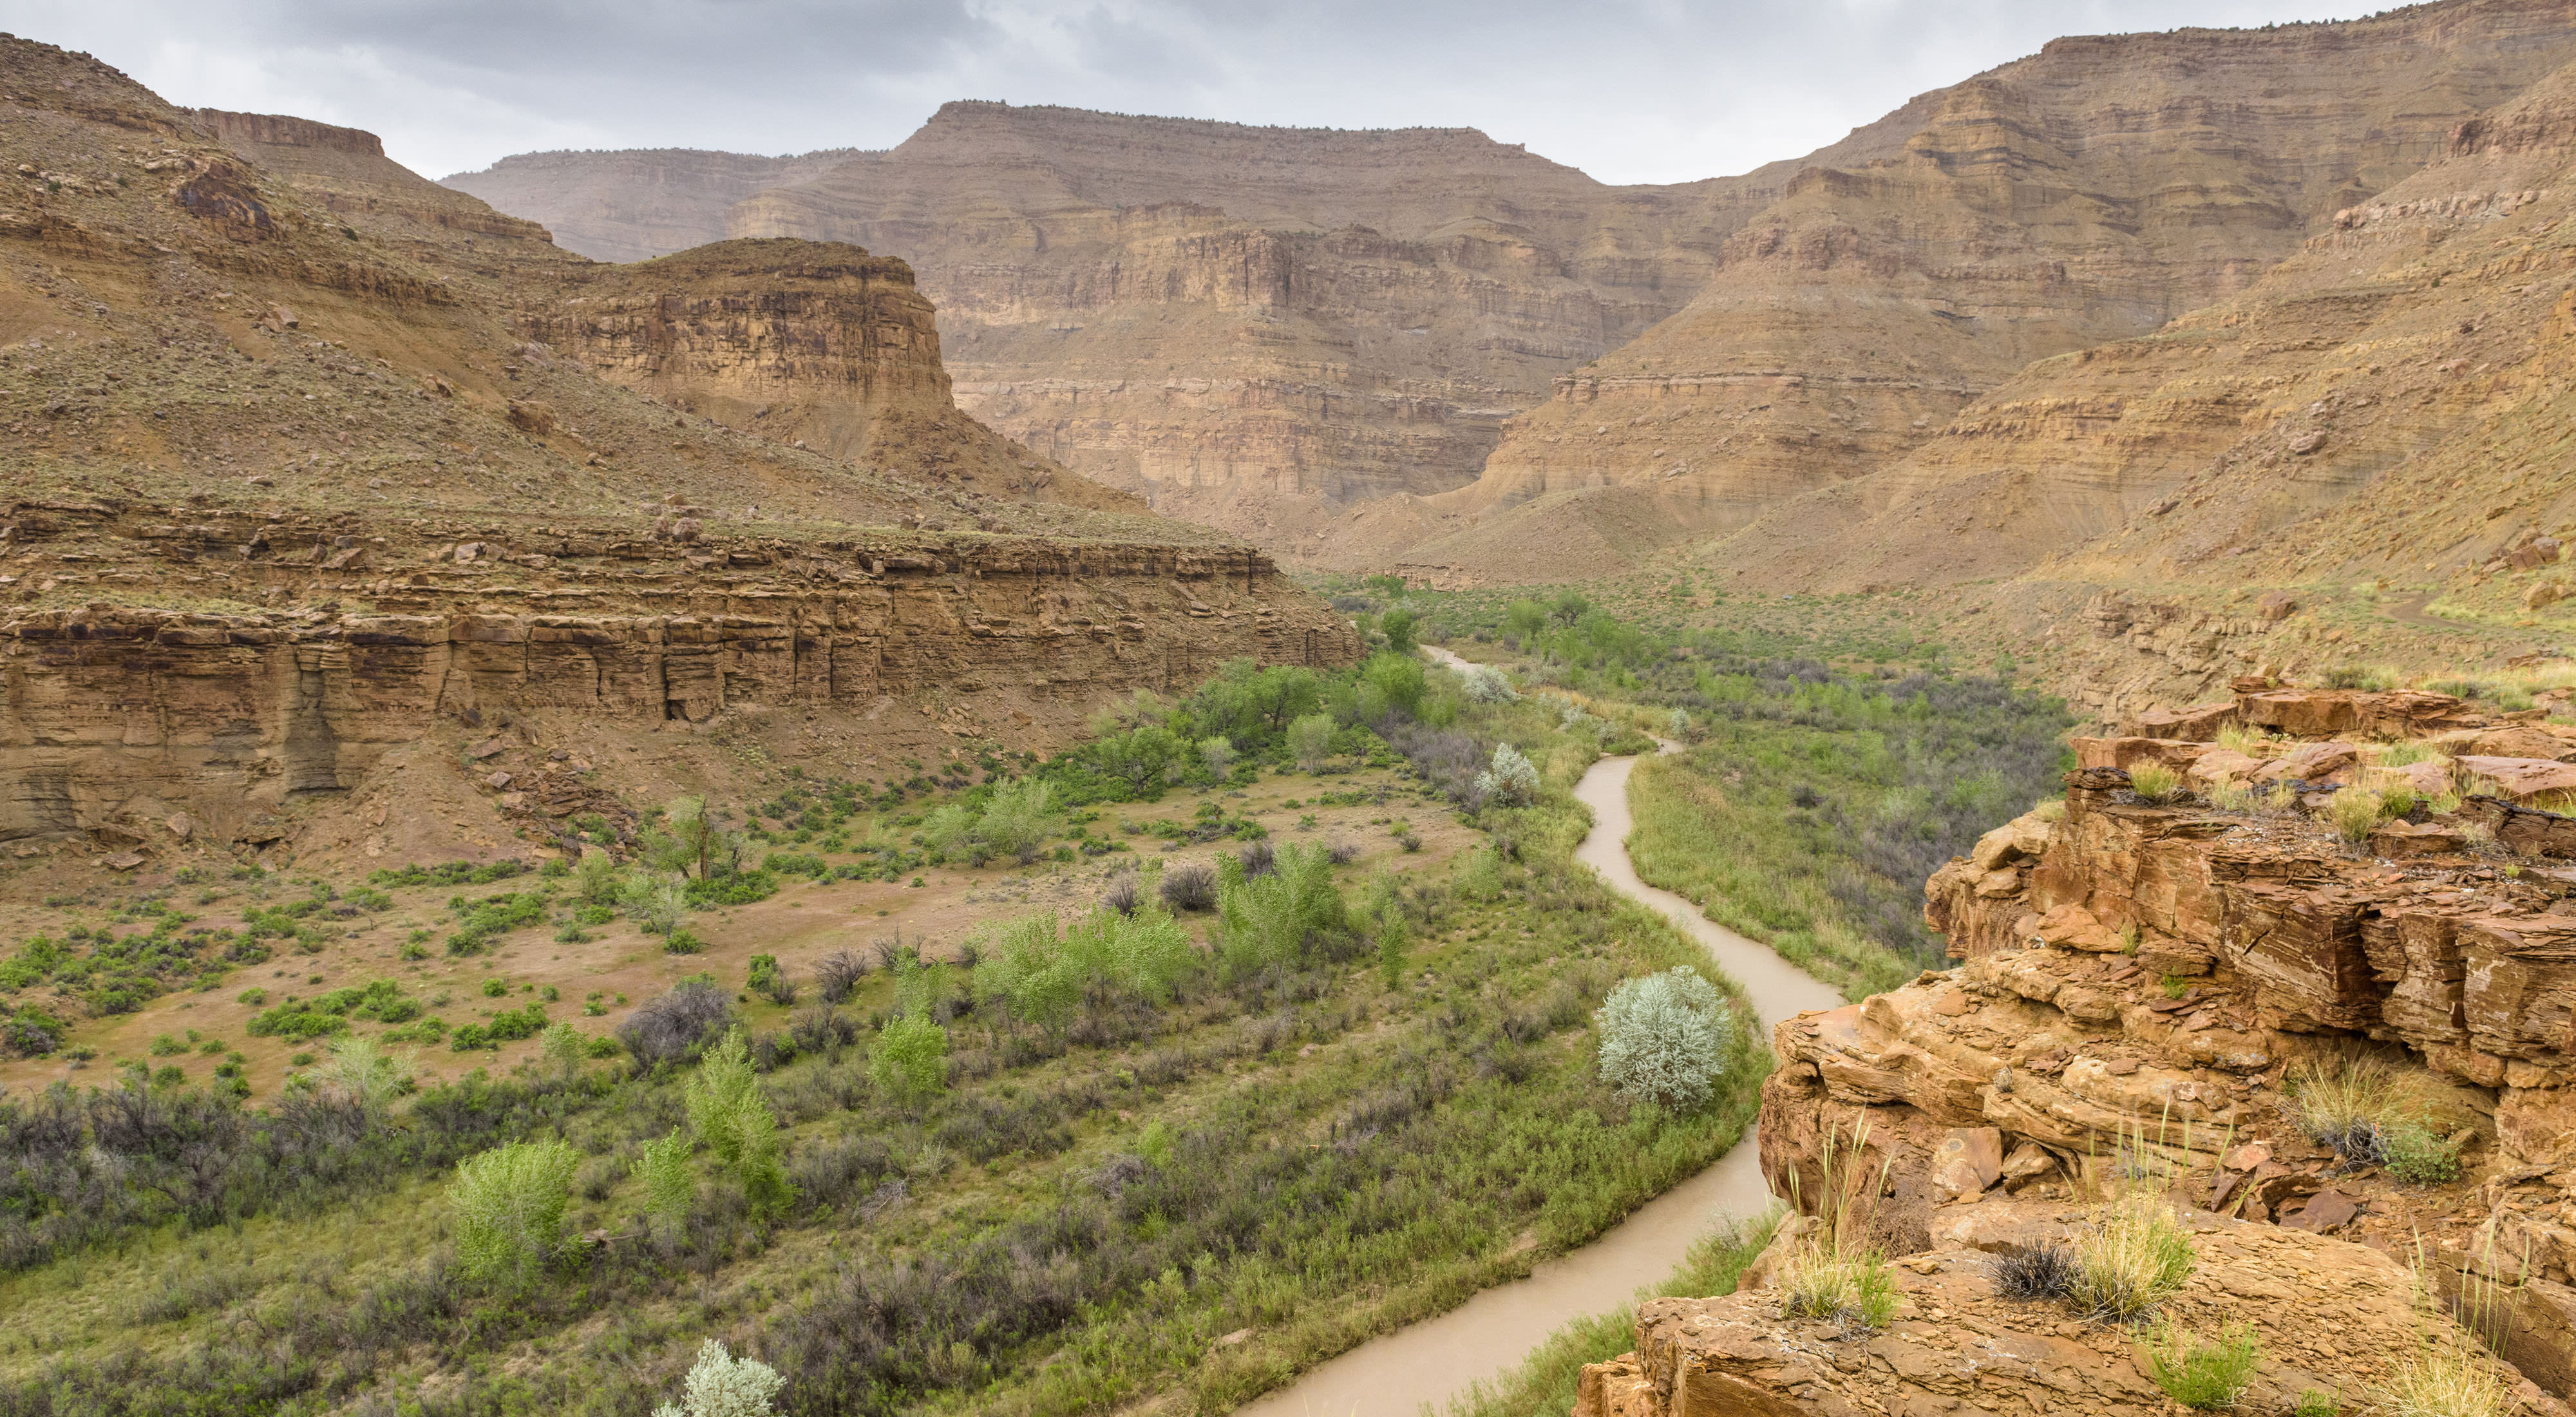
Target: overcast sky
(1629, 91)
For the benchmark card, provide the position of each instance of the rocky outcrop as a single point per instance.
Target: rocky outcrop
(110, 711)
(347, 171)
(289, 486)
(2142, 985)
(1957, 1344)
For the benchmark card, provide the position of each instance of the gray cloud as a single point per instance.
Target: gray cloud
(1628, 90)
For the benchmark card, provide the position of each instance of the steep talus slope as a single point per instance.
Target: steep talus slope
(632, 206)
(2089, 193)
(285, 485)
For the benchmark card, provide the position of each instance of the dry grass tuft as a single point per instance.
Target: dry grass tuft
(2134, 1258)
(2154, 782)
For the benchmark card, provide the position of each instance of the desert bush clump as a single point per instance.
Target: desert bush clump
(837, 975)
(1510, 780)
(1664, 1038)
(2372, 1115)
(2042, 1271)
(1855, 1288)
(677, 1026)
(1189, 886)
(2446, 1376)
(2201, 1375)
(2154, 782)
(1020, 818)
(721, 1385)
(510, 1204)
(2134, 1257)
(1487, 685)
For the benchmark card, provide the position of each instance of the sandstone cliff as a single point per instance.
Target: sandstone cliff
(813, 344)
(2144, 985)
(286, 485)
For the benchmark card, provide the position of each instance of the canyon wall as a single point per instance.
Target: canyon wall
(633, 206)
(2090, 193)
(112, 712)
(813, 344)
(1252, 324)
(2381, 403)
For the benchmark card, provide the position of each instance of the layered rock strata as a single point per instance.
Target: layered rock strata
(1957, 1344)
(112, 711)
(2146, 987)
(813, 344)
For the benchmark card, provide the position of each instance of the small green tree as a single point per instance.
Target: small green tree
(1664, 1037)
(1398, 626)
(721, 1385)
(947, 828)
(729, 1115)
(910, 1059)
(1524, 618)
(1020, 818)
(510, 1204)
(1218, 754)
(668, 1185)
(657, 902)
(694, 828)
(361, 1071)
(565, 1047)
(1310, 740)
(1270, 919)
(596, 878)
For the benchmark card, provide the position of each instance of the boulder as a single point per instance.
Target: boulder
(2522, 778)
(2199, 723)
(2311, 762)
(2401, 840)
(1969, 1161)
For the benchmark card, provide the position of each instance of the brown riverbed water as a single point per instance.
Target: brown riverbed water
(1434, 1360)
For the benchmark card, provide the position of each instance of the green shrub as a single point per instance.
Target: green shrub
(910, 1060)
(2420, 1156)
(1665, 1038)
(2203, 1376)
(1280, 918)
(2353, 812)
(509, 1205)
(1855, 1289)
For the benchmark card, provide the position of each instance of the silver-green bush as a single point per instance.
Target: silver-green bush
(1664, 1038)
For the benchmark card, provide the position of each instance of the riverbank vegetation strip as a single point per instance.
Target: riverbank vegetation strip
(1059, 1175)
